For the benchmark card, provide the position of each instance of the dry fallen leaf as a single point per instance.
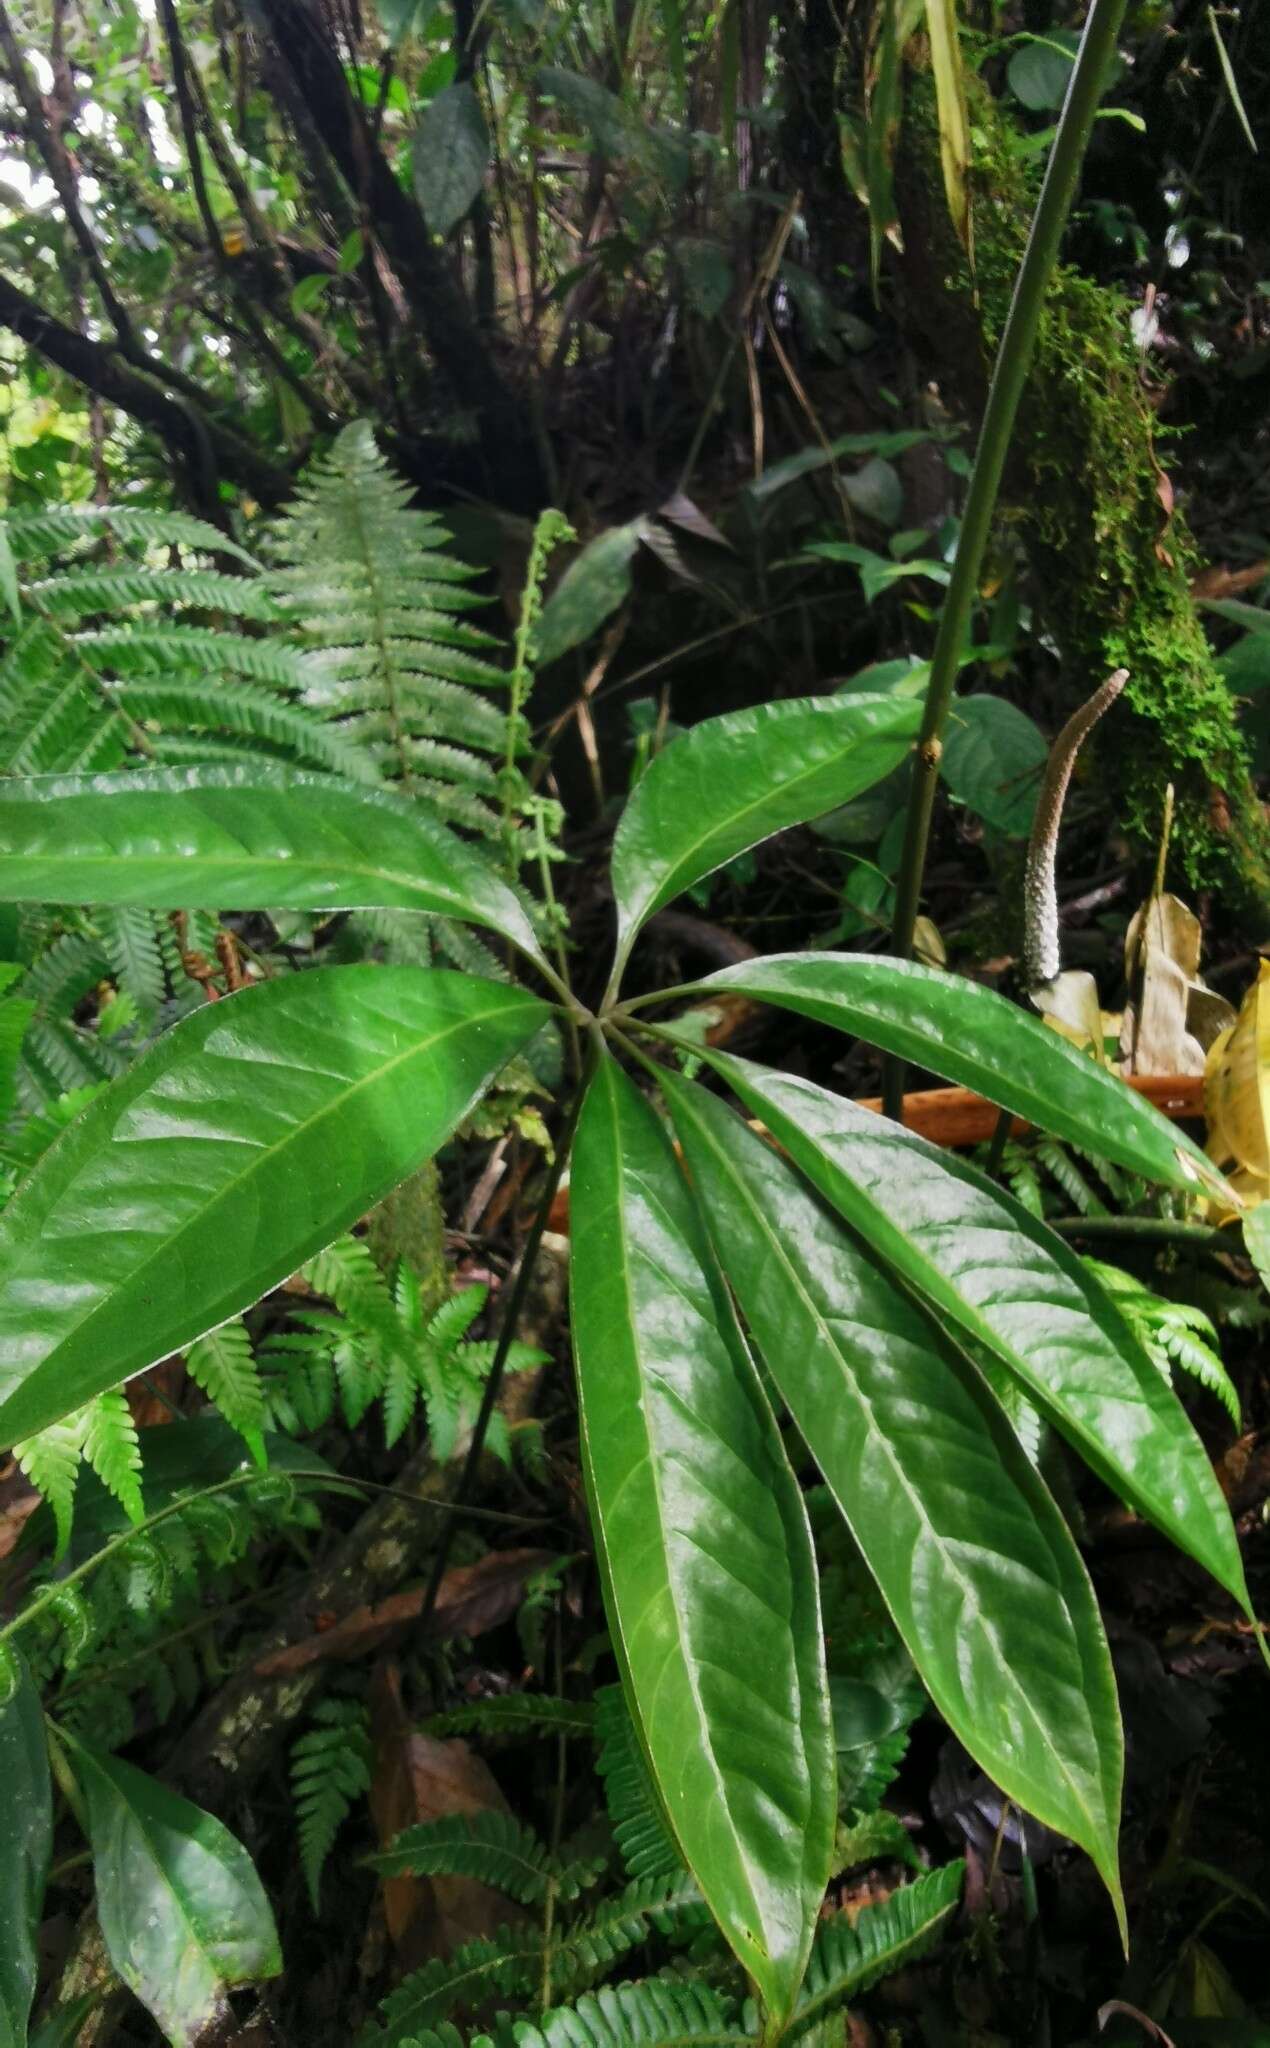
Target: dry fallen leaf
(1237, 1094)
(418, 1778)
(1176, 1016)
(473, 1598)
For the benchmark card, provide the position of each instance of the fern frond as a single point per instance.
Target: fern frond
(330, 1769)
(221, 706)
(873, 1838)
(516, 1713)
(130, 941)
(134, 650)
(669, 1906)
(492, 1847)
(32, 534)
(77, 592)
(847, 1959)
(505, 1964)
(661, 2012)
(51, 1462)
(643, 1835)
(1173, 1333)
(223, 1366)
(1062, 1168)
(112, 1449)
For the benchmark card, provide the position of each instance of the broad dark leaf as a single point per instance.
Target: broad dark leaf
(706, 1555)
(450, 155)
(242, 838)
(246, 1139)
(26, 1844)
(1010, 1284)
(974, 1037)
(971, 1555)
(182, 1910)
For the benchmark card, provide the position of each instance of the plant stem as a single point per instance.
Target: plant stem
(506, 1337)
(1097, 45)
(1200, 1237)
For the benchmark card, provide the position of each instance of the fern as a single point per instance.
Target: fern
(640, 1828)
(873, 1838)
(103, 1435)
(388, 660)
(223, 1366)
(846, 1959)
(491, 1847)
(1174, 1334)
(516, 1713)
(511, 1963)
(330, 1770)
(661, 2012)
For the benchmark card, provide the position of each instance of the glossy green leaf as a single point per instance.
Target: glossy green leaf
(973, 1559)
(595, 583)
(706, 1554)
(976, 1038)
(988, 1268)
(232, 838)
(450, 156)
(247, 1138)
(993, 760)
(182, 1911)
(26, 1843)
(734, 780)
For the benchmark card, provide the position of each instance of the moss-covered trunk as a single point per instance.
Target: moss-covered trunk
(1091, 505)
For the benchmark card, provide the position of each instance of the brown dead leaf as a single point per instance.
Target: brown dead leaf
(1218, 581)
(418, 1778)
(18, 1502)
(473, 1598)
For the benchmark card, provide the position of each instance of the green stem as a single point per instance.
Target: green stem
(99, 1557)
(1200, 1237)
(1014, 357)
(506, 1337)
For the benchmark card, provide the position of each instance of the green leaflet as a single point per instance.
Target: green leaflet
(182, 1910)
(971, 1556)
(734, 780)
(980, 1262)
(216, 838)
(246, 1139)
(710, 1581)
(976, 1038)
(26, 1843)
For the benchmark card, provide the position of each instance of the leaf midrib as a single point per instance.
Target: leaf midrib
(685, 1658)
(878, 1436)
(259, 1160)
(735, 818)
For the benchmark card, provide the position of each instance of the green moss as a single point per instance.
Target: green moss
(1089, 500)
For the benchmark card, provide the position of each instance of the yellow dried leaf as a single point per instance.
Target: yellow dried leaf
(1237, 1087)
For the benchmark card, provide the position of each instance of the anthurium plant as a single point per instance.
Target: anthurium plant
(805, 1262)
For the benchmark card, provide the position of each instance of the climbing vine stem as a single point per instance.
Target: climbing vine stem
(1097, 46)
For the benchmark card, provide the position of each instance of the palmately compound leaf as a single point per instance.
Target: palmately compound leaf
(1012, 1288)
(704, 1546)
(734, 780)
(183, 1913)
(976, 1038)
(972, 1557)
(251, 1134)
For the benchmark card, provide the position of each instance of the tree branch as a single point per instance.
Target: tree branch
(201, 446)
(453, 337)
